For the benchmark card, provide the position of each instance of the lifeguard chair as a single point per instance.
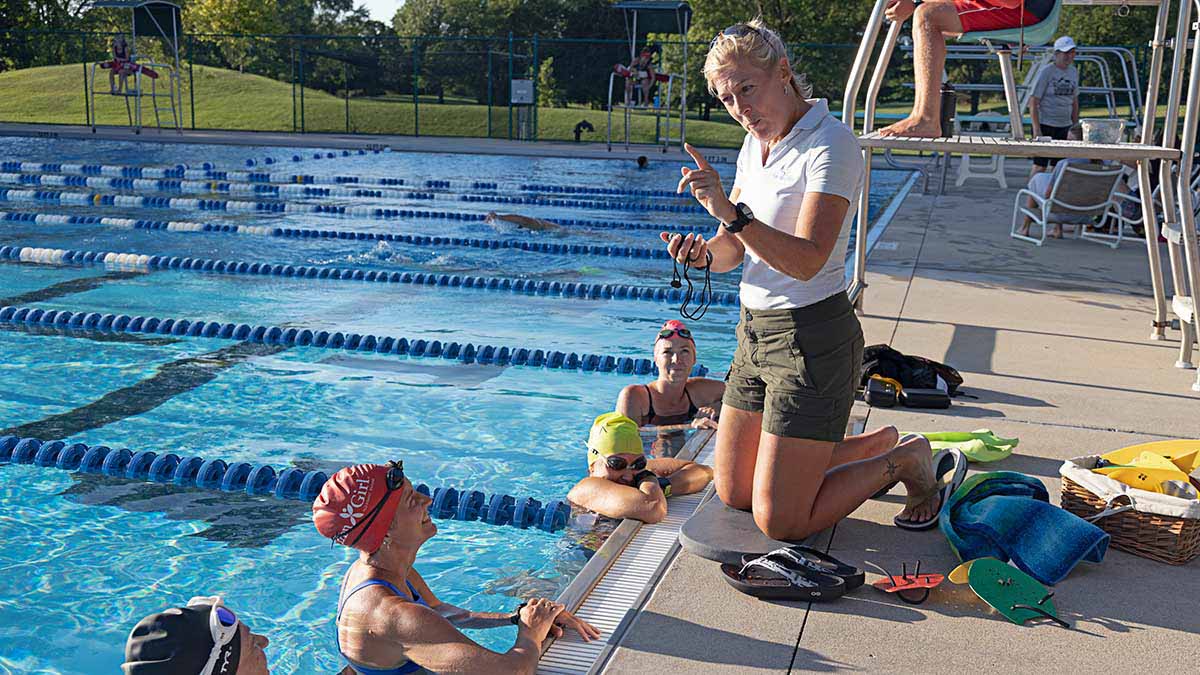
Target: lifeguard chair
(641, 18)
(151, 18)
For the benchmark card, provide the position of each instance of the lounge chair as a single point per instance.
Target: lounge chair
(1080, 194)
(1113, 226)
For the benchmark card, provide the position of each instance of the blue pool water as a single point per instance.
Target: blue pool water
(89, 555)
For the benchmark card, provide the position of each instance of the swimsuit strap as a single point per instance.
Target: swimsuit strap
(409, 667)
(650, 401)
(692, 409)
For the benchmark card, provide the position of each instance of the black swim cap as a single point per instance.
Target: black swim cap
(178, 641)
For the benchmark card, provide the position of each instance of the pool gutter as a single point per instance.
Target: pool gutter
(606, 593)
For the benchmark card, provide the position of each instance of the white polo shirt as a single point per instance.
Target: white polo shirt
(819, 154)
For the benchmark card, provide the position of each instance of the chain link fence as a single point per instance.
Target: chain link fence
(385, 84)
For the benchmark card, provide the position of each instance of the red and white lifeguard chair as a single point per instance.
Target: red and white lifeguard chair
(641, 18)
(158, 82)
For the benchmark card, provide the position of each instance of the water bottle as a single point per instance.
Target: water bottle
(949, 102)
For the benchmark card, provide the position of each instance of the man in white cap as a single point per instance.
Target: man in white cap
(1054, 105)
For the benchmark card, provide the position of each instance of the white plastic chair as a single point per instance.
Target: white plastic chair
(1080, 193)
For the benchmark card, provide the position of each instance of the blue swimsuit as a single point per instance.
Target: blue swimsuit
(409, 666)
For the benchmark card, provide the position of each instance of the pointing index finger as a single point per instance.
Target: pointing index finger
(697, 157)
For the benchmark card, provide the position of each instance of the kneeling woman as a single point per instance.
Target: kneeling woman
(623, 483)
(389, 620)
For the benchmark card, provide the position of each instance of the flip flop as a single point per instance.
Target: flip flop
(768, 579)
(806, 557)
(903, 439)
(950, 461)
(1013, 593)
(911, 588)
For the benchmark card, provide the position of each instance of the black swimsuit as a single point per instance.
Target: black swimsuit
(672, 419)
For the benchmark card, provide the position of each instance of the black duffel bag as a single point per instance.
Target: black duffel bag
(913, 372)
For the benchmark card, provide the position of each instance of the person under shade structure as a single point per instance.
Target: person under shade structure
(389, 621)
(623, 483)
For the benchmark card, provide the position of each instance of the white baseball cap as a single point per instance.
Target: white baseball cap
(1064, 44)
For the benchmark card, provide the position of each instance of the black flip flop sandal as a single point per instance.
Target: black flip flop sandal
(768, 579)
(817, 561)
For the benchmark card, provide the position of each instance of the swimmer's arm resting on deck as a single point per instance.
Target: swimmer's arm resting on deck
(645, 502)
(422, 636)
(686, 477)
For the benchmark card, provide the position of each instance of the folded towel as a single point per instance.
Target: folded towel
(1008, 515)
(980, 445)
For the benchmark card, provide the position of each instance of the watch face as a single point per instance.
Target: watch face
(745, 212)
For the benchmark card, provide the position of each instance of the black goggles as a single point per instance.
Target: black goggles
(619, 463)
(668, 332)
(394, 481)
(737, 30)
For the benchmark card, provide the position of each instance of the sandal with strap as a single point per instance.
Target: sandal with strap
(769, 579)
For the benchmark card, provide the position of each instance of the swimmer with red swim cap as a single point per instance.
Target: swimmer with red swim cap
(676, 397)
(389, 622)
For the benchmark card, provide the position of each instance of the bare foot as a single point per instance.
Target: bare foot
(915, 459)
(1056, 232)
(914, 127)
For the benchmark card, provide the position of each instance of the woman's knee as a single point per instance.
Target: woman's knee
(782, 525)
(733, 495)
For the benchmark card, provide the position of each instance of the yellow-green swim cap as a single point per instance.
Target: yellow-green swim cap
(613, 434)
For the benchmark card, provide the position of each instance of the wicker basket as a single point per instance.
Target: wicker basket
(1163, 538)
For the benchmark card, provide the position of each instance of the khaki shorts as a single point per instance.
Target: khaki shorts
(799, 368)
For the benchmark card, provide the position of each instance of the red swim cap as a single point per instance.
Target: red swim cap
(678, 327)
(349, 497)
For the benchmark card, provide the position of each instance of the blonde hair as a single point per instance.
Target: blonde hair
(759, 46)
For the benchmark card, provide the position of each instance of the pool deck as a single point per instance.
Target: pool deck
(1053, 342)
(437, 144)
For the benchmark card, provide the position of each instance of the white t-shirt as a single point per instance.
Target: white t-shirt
(819, 154)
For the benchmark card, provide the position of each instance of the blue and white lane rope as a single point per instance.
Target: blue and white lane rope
(302, 233)
(137, 201)
(175, 186)
(581, 290)
(264, 479)
(208, 171)
(73, 322)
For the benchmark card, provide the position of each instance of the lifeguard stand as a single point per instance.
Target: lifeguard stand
(151, 18)
(1175, 153)
(641, 18)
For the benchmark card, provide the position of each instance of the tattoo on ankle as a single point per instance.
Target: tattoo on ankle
(890, 471)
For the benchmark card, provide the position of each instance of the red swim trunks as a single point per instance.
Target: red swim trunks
(985, 15)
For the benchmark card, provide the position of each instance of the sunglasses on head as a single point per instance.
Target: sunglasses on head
(737, 30)
(394, 481)
(668, 332)
(619, 463)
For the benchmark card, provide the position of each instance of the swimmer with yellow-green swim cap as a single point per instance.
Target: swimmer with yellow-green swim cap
(622, 482)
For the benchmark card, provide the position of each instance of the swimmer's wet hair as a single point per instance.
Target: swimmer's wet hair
(761, 47)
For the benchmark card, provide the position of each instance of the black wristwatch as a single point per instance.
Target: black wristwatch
(516, 617)
(665, 484)
(744, 216)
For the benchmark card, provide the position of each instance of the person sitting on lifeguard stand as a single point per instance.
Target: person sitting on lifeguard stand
(642, 69)
(121, 65)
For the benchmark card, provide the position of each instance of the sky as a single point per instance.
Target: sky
(382, 10)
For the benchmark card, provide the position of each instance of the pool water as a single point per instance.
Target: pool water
(87, 556)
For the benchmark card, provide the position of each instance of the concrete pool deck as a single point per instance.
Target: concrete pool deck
(437, 144)
(1053, 342)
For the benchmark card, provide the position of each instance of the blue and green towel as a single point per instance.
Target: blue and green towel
(1008, 516)
(979, 446)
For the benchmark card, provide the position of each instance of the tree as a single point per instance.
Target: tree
(549, 94)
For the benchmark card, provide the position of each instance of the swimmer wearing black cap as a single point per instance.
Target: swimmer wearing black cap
(203, 638)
